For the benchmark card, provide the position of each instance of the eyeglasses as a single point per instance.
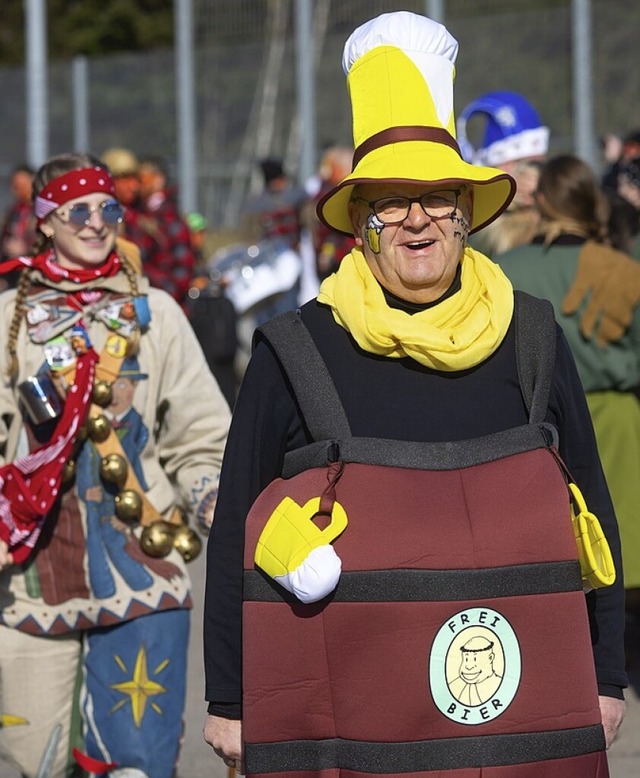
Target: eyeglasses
(79, 214)
(436, 205)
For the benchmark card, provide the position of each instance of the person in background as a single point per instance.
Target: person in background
(514, 140)
(198, 229)
(123, 166)
(273, 218)
(624, 219)
(595, 291)
(142, 230)
(275, 212)
(395, 484)
(212, 316)
(616, 151)
(170, 265)
(329, 247)
(18, 225)
(111, 437)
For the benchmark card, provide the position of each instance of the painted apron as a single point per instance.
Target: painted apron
(457, 641)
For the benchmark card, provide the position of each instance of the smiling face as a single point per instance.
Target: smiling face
(85, 246)
(476, 666)
(418, 257)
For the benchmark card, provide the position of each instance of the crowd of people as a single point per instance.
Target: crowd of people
(424, 473)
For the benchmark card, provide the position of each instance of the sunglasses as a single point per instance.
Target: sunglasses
(79, 214)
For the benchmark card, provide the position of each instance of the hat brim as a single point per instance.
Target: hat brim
(420, 162)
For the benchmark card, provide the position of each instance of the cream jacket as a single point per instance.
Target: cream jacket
(186, 418)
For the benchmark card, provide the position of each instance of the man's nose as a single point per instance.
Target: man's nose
(417, 216)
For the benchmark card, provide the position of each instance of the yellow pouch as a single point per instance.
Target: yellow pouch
(290, 535)
(596, 562)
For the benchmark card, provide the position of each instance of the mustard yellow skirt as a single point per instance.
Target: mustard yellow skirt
(616, 420)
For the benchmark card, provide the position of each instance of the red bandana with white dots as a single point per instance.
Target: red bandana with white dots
(68, 186)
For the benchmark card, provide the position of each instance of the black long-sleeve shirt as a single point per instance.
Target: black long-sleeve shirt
(394, 399)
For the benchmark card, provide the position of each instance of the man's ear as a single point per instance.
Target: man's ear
(356, 221)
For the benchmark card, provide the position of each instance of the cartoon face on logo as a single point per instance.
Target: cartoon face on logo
(474, 666)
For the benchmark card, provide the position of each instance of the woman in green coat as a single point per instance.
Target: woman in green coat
(595, 291)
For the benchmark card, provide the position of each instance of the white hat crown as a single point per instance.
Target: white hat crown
(428, 44)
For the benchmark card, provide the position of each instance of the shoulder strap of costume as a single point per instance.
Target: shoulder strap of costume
(312, 385)
(535, 352)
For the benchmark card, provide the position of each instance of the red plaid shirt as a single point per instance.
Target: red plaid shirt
(164, 240)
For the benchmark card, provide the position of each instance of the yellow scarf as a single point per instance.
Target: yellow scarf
(458, 333)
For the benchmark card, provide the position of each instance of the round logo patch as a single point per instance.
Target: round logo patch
(475, 666)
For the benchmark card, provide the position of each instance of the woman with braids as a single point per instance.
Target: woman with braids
(595, 291)
(111, 436)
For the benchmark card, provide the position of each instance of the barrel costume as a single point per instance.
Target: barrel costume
(108, 621)
(402, 546)
(396, 627)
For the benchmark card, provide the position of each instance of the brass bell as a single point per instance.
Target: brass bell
(114, 469)
(187, 542)
(128, 506)
(98, 428)
(68, 471)
(156, 539)
(101, 393)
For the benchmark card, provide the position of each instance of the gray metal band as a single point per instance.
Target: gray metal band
(431, 585)
(424, 755)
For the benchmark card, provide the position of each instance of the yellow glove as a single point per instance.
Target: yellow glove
(609, 281)
(596, 562)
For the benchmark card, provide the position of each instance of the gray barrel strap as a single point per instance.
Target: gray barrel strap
(306, 370)
(318, 398)
(535, 352)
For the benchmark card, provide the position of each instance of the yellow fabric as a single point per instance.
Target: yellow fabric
(290, 535)
(387, 89)
(458, 333)
(596, 562)
(111, 358)
(616, 421)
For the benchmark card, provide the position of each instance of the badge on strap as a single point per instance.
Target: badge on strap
(141, 304)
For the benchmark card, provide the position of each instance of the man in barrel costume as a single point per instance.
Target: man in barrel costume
(397, 579)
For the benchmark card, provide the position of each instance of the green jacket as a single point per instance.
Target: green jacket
(549, 273)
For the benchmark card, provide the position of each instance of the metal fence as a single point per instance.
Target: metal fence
(246, 83)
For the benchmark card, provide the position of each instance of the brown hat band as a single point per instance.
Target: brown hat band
(401, 134)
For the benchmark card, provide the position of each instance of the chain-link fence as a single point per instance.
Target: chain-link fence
(246, 83)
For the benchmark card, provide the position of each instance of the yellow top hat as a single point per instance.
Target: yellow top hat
(400, 72)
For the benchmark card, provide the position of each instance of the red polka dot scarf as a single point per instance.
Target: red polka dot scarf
(29, 486)
(47, 264)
